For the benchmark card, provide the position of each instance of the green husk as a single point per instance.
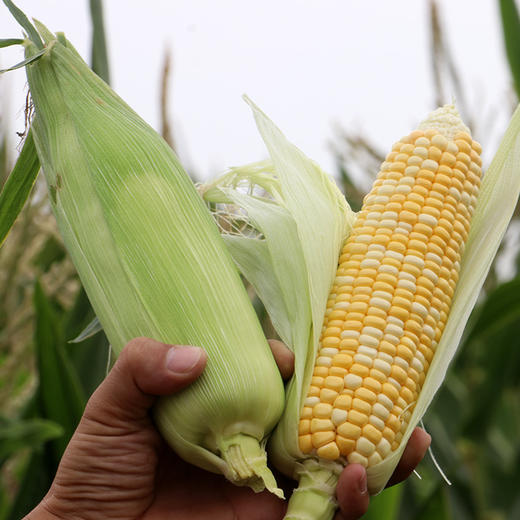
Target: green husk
(495, 206)
(152, 262)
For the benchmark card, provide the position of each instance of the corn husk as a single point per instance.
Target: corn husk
(152, 262)
(306, 266)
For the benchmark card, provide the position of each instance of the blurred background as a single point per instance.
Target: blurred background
(343, 80)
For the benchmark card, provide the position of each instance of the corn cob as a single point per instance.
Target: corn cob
(152, 261)
(392, 294)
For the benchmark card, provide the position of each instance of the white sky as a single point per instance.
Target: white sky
(310, 65)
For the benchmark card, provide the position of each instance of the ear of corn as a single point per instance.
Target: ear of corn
(402, 291)
(153, 263)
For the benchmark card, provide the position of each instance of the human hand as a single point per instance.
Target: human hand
(117, 466)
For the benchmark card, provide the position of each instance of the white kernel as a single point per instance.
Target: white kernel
(385, 190)
(417, 365)
(380, 303)
(400, 362)
(341, 305)
(386, 402)
(395, 321)
(407, 181)
(395, 255)
(406, 226)
(377, 247)
(431, 165)
(421, 151)
(436, 315)
(374, 215)
(371, 352)
(376, 421)
(376, 254)
(394, 382)
(388, 223)
(371, 222)
(394, 330)
(389, 215)
(390, 182)
(391, 339)
(455, 193)
(373, 331)
(411, 171)
(338, 416)
(431, 275)
(383, 366)
(323, 361)
(353, 381)
(383, 294)
(382, 411)
(369, 341)
(356, 458)
(369, 262)
(429, 220)
(414, 260)
(344, 280)
(311, 401)
(363, 360)
(391, 269)
(364, 238)
(384, 447)
(381, 199)
(407, 284)
(404, 189)
(328, 351)
(419, 309)
(365, 447)
(428, 330)
(374, 459)
(433, 258)
(386, 357)
(349, 334)
(403, 275)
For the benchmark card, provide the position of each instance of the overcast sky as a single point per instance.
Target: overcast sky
(312, 66)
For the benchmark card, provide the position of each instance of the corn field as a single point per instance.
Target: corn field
(45, 379)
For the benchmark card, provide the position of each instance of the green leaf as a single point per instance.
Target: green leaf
(90, 330)
(51, 252)
(60, 392)
(25, 23)
(25, 62)
(99, 47)
(36, 480)
(7, 42)
(20, 434)
(511, 28)
(386, 505)
(18, 186)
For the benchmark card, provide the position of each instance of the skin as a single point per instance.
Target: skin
(116, 465)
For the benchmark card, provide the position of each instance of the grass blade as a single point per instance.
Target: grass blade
(20, 17)
(99, 57)
(511, 28)
(18, 186)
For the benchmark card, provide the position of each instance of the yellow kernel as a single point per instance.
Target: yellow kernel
(345, 445)
(321, 425)
(304, 427)
(357, 417)
(349, 431)
(372, 433)
(365, 395)
(334, 383)
(322, 438)
(327, 395)
(390, 391)
(306, 412)
(361, 406)
(305, 443)
(322, 410)
(343, 402)
(342, 360)
(328, 451)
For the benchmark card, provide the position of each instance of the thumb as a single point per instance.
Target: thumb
(144, 370)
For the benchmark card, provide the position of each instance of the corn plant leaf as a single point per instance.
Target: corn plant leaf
(16, 435)
(7, 42)
(62, 398)
(25, 62)
(20, 17)
(511, 28)
(18, 186)
(35, 482)
(385, 505)
(90, 330)
(99, 59)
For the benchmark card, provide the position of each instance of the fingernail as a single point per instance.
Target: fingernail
(182, 359)
(362, 484)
